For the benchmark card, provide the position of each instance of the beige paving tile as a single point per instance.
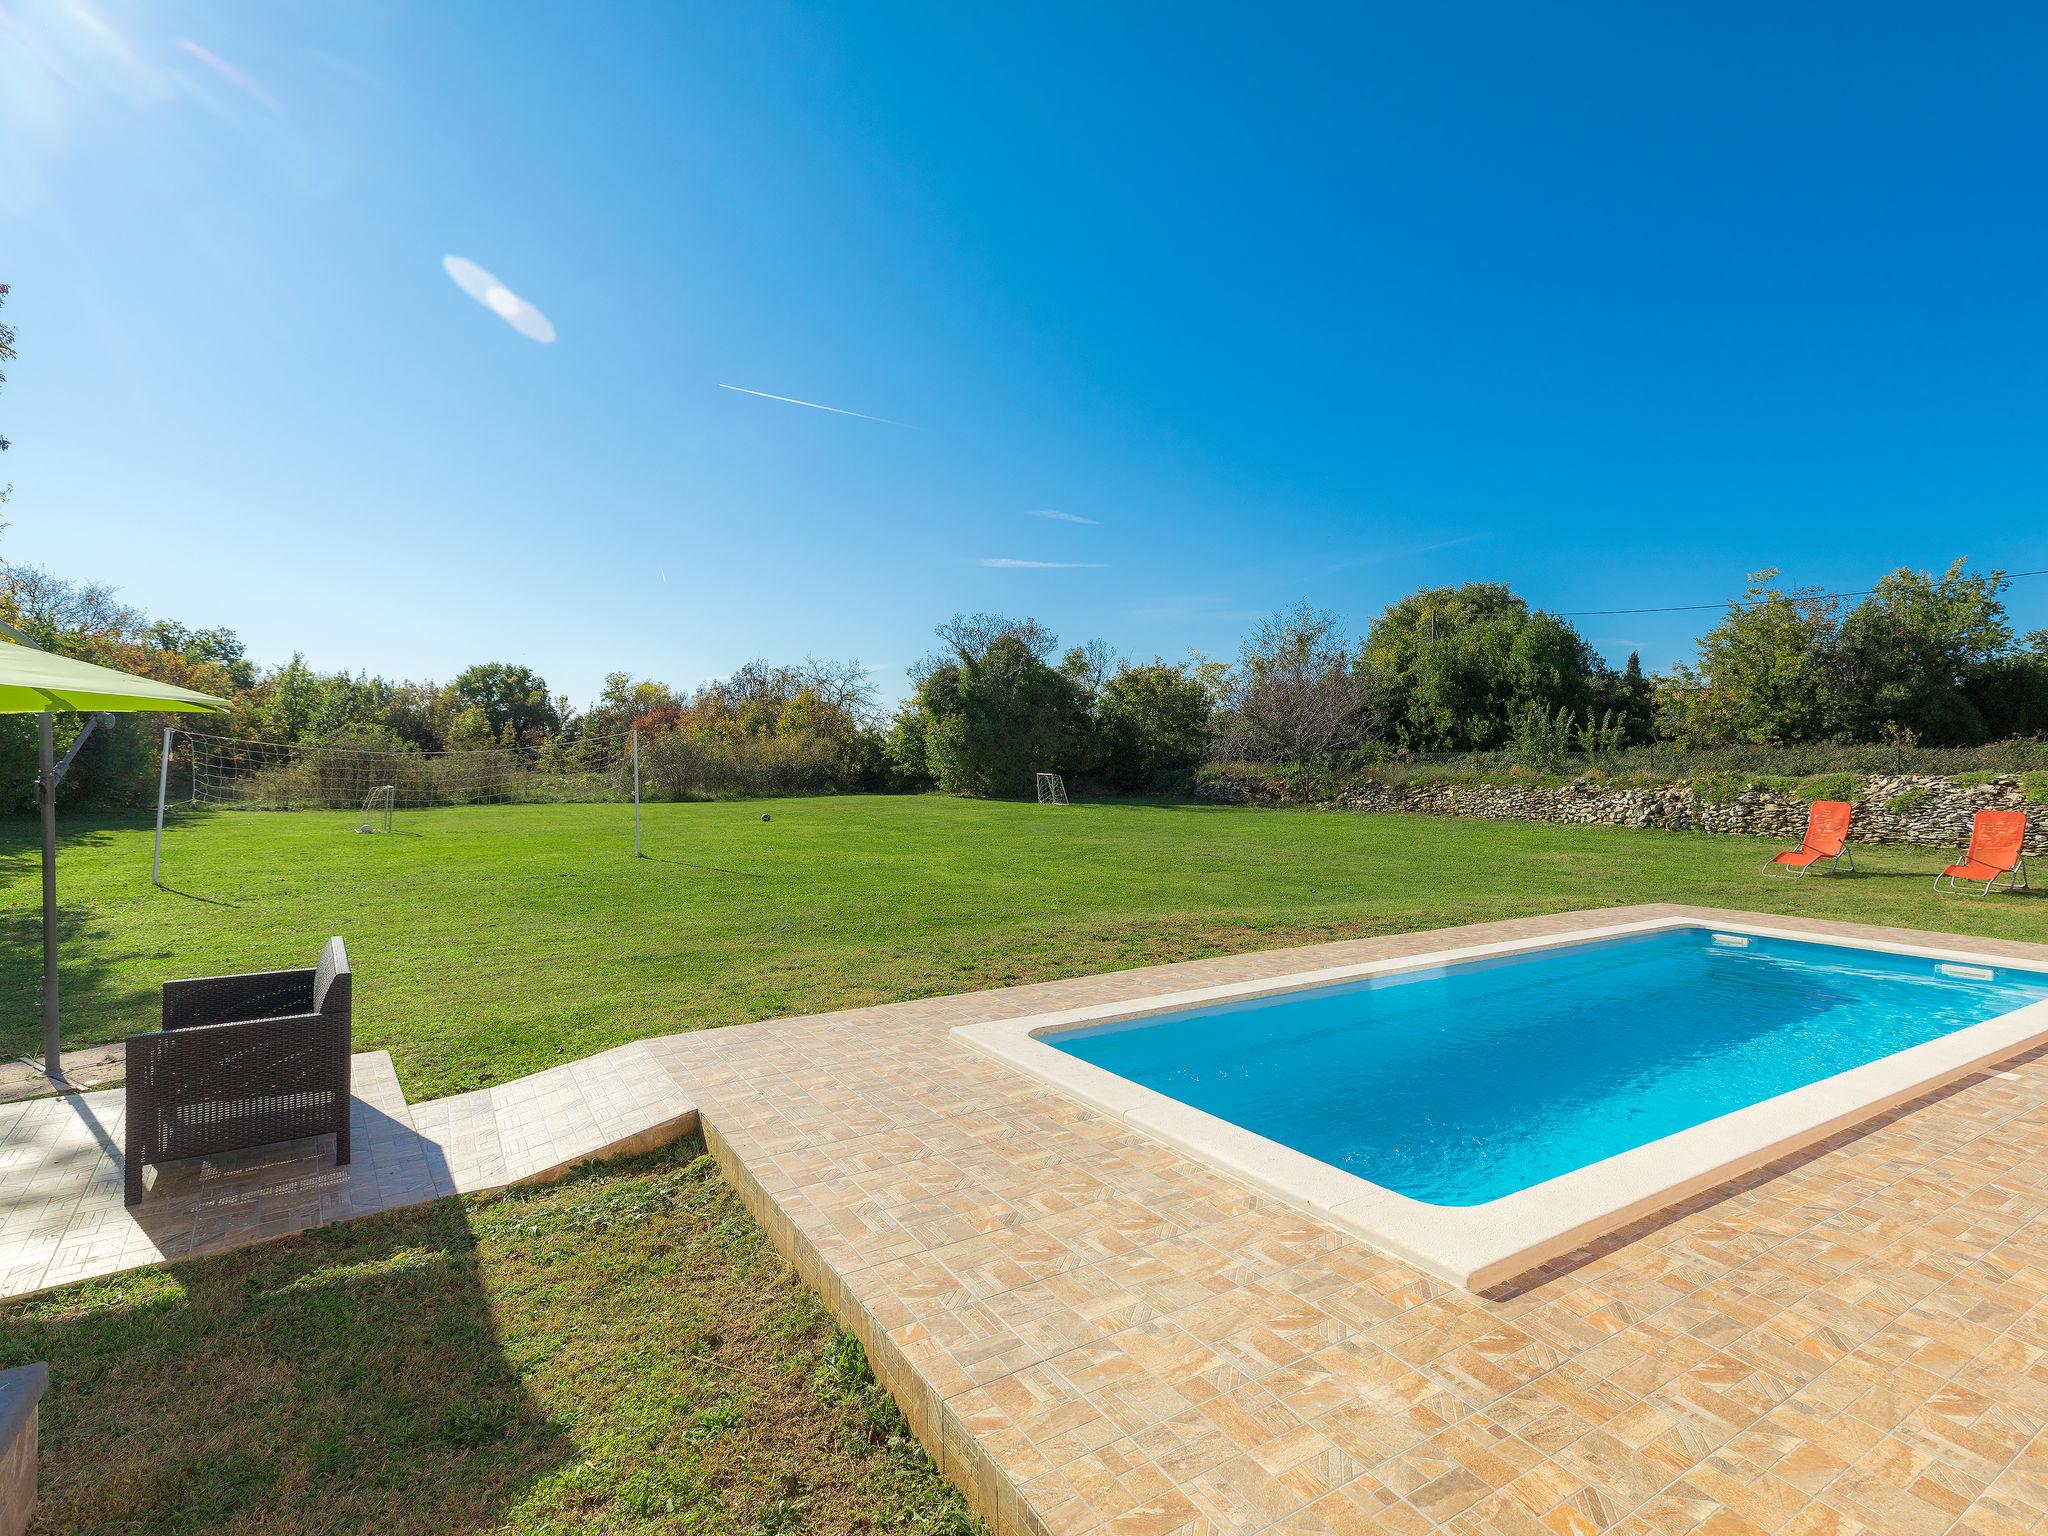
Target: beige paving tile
(1854, 1337)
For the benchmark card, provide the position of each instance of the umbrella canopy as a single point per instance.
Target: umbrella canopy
(37, 682)
(34, 682)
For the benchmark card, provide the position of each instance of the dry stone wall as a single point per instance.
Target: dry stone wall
(1930, 812)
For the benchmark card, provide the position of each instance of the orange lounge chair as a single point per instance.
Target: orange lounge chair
(1994, 850)
(1827, 838)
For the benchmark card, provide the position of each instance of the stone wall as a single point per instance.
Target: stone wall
(1938, 815)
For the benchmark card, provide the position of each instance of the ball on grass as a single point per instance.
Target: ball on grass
(764, 815)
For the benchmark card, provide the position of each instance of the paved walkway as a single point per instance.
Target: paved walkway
(86, 1068)
(61, 1216)
(1098, 1336)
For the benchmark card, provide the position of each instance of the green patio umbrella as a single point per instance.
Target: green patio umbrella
(38, 682)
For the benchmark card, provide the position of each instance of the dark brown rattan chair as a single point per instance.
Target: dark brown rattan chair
(242, 1061)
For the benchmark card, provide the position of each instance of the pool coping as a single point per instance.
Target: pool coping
(1481, 1247)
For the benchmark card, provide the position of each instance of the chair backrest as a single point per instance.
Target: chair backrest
(1827, 826)
(333, 987)
(1995, 838)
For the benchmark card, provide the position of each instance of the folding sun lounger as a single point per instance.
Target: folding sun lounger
(1827, 839)
(1994, 850)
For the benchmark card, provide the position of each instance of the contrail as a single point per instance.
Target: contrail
(1064, 517)
(812, 405)
(1044, 565)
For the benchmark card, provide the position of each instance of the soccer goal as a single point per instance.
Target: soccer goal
(1052, 789)
(377, 807)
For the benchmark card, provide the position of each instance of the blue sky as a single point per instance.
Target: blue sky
(1612, 303)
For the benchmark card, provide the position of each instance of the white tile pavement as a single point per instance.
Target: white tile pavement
(61, 1216)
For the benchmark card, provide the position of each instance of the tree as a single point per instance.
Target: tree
(994, 719)
(622, 702)
(1627, 698)
(470, 730)
(66, 615)
(1089, 665)
(1767, 674)
(417, 714)
(1296, 697)
(220, 647)
(514, 700)
(1151, 720)
(909, 763)
(1460, 665)
(967, 636)
(1909, 650)
(289, 698)
(2010, 692)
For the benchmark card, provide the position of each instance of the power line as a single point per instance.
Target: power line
(1610, 613)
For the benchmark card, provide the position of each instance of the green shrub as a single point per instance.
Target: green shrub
(994, 720)
(1906, 799)
(1542, 738)
(1828, 786)
(2035, 787)
(1151, 720)
(703, 765)
(1718, 788)
(1603, 740)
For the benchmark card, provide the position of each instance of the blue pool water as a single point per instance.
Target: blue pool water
(1462, 1084)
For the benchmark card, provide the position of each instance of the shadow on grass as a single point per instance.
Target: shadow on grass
(91, 991)
(714, 869)
(349, 1378)
(211, 901)
(622, 1350)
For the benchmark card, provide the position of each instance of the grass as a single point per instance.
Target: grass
(493, 941)
(619, 1353)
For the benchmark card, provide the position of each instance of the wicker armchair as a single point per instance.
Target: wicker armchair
(242, 1061)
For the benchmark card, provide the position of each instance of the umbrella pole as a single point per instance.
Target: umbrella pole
(46, 760)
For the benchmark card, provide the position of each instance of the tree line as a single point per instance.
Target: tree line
(1920, 660)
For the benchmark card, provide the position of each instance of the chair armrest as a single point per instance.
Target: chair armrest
(202, 1000)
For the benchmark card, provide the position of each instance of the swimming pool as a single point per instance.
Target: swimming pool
(1479, 1110)
(1462, 1084)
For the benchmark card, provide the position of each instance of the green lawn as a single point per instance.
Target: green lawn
(492, 941)
(622, 1352)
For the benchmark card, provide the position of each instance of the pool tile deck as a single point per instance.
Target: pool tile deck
(1098, 1336)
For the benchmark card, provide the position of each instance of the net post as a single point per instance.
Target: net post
(636, 792)
(163, 783)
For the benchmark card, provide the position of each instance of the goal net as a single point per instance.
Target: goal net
(1052, 789)
(377, 807)
(297, 776)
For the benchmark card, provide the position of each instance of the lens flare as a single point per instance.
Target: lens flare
(498, 299)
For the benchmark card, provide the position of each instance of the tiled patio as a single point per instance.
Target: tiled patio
(61, 1216)
(1100, 1335)
(1096, 1334)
